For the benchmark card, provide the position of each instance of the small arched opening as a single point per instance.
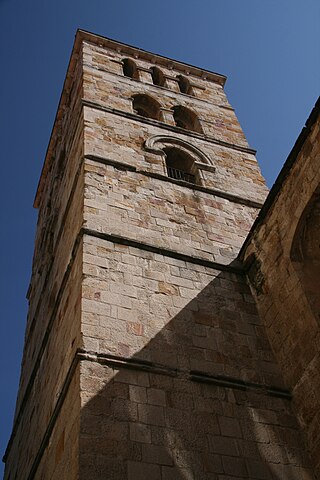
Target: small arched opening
(184, 85)
(158, 77)
(146, 106)
(130, 68)
(187, 119)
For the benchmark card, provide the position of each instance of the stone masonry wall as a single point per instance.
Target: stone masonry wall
(236, 172)
(60, 459)
(161, 213)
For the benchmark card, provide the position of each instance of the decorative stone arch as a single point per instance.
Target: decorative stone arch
(184, 85)
(187, 119)
(130, 69)
(159, 144)
(305, 252)
(158, 77)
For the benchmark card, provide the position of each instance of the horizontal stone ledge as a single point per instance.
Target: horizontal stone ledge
(236, 267)
(166, 126)
(238, 384)
(196, 376)
(125, 362)
(165, 178)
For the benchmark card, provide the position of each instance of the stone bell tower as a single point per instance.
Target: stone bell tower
(144, 354)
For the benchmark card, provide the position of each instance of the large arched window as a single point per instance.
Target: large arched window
(180, 165)
(130, 68)
(305, 253)
(186, 119)
(181, 160)
(158, 77)
(184, 85)
(146, 106)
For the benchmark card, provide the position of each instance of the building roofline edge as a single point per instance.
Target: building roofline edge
(281, 178)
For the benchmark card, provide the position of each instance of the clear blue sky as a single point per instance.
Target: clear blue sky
(269, 49)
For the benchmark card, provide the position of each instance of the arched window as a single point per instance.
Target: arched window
(146, 106)
(305, 252)
(184, 85)
(130, 68)
(181, 160)
(187, 119)
(157, 77)
(179, 164)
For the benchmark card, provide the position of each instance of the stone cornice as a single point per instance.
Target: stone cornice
(84, 35)
(233, 267)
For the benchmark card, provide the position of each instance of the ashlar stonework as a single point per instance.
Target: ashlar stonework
(173, 325)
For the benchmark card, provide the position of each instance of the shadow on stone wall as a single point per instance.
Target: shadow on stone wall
(172, 424)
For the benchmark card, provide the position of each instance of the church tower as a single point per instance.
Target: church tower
(144, 354)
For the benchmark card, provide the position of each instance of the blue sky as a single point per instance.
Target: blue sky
(269, 49)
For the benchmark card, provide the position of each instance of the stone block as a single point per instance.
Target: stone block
(234, 466)
(141, 471)
(140, 433)
(151, 415)
(156, 397)
(230, 427)
(156, 454)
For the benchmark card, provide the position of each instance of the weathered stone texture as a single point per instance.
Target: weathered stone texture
(48, 283)
(163, 214)
(103, 86)
(61, 457)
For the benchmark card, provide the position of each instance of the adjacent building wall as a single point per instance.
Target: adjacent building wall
(282, 252)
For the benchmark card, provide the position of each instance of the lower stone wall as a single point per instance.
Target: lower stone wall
(138, 425)
(178, 380)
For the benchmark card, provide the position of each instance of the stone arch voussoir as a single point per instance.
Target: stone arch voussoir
(157, 143)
